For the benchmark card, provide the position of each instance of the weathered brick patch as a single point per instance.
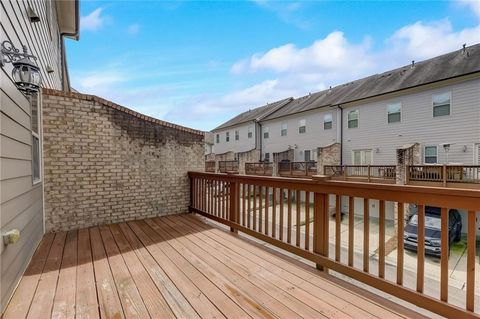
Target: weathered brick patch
(104, 163)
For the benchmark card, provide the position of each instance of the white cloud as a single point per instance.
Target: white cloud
(473, 5)
(425, 40)
(289, 12)
(93, 21)
(133, 29)
(101, 78)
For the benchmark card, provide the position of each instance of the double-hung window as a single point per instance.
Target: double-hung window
(267, 157)
(441, 104)
(227, 137)
(327, 121)
(394, 113)
(218, 138)
(430, 155)
(266, 132)
(283, 131)
(237, 135)
(302, 126)
(353, 119)
(250, 132)
(35, 118)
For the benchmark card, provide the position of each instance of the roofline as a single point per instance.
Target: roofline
(377, 95)
(76, 8)
(230, 126)
(118, 107)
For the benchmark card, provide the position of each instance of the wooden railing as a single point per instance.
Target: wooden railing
(261, 168)
(444, 173)
(365, 172)
(297, 169)
(210, 166)
(294, 215)
(227, 166)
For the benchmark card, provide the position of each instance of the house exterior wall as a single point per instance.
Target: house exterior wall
(244, 143)
(461, 127)
(21, 199)
(107, 164)
(314, 137)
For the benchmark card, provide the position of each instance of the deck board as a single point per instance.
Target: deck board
(179, 267)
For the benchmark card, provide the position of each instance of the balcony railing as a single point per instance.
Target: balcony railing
(364, 172)
(297, 169)
(444, 174)
(270, 209)
(210, 166)
(262, 169)
(228, 166)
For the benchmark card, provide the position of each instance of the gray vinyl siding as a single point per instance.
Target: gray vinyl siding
(461, 128)
(314, 137)
(242, 145)
(21, 200)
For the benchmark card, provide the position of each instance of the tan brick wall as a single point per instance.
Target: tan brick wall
(106, 164)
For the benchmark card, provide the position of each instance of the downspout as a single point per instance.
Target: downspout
(259, 139)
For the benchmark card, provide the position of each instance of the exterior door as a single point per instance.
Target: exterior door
(362, 157)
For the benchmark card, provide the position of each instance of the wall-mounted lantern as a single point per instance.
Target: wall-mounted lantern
(32, 15)
(25, 73)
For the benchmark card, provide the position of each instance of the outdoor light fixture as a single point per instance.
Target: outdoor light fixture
(32, 15)
(25, 73)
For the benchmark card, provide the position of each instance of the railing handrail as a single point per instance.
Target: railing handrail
(422, 195)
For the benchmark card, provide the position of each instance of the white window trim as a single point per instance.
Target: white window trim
(451, 105)
(249, 132)
(266, 129)
(281, 129)
(401, 112)
(237, 135)
(331, 121)
(363, 150)
(424, 154)
(358, 119)
(300, 125)
(37, 136)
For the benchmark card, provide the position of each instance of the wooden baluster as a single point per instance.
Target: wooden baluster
(400, 230)
(338, 224)
(249, 207)
(233, 204)
(260, 210)
(280, 228)
(351, 229)
(366, 235)
(298, 222)
(326, 225)
(266, 209)
(254, 207)
(202, 194)
(471, 247)
(445, 246)
(274, 212)
(289, 217)
(420, 247)
(307, 220)
(224, 196)
(244, 207)
(381, 235)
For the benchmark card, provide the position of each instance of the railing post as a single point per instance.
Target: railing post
(320, 226)
(234, 204)
(190, 179)
(407, 174)
(368, 173)
(344, 172)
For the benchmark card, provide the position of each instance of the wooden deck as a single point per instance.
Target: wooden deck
(179, 267)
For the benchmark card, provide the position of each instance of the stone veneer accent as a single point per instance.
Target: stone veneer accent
(328, 155)
(104, 163)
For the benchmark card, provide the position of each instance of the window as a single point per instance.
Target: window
(266, 132)
(327, 121)
(227, 137)
(35, 118)
(283, 131)
(237, 135)
(353, 119)
(267, 157)
(250, 132)
(306, 155)
(302, 126)
(362, 157)
(431, 155)
(218, 138)
(394, 112)
(441, 104)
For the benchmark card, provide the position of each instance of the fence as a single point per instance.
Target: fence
(228, 166)
(210, 166)
(366, 172)
(263, 169)
(297, 169)
(444, 173)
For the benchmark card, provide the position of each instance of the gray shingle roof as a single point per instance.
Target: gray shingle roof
(254, 114)
(450, 65)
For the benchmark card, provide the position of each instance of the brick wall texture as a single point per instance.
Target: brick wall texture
(106, 164)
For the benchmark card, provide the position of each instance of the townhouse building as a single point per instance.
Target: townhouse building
(435, 103)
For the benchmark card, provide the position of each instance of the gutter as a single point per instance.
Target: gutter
(259, 138)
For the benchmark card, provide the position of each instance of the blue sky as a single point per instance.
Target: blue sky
(200, 63)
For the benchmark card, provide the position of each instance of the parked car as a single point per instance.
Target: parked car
(432, 230)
